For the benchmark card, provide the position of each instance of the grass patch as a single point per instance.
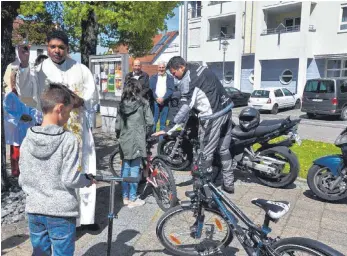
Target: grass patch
(309, 151)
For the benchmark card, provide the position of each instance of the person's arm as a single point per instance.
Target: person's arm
(148, 119)
(169, 88)
(71, 176)
(90, 95)
(152, 84)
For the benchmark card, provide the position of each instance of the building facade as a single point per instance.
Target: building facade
(270, 44)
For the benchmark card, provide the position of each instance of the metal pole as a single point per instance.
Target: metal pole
(223, 65)
(111, 216)
(185, 33)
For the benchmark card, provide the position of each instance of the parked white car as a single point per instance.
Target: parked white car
(273, 99)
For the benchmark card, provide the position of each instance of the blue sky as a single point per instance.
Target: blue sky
(172, 24)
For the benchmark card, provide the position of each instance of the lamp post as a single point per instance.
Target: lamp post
(225, 48)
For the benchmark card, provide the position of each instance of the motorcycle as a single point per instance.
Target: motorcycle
(274, 164)
(327, 177)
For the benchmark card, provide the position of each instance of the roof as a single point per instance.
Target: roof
(159, 43)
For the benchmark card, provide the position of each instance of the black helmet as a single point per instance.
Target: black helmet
(249, 118)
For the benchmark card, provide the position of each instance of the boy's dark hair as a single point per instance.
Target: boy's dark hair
(58, 34)
(175, 63)
(40, 59)
(53, 95)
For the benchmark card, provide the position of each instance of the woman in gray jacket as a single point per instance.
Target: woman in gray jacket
(134, 121)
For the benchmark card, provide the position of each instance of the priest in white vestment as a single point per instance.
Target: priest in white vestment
(59, 68)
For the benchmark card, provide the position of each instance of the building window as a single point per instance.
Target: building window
(251, 77)
(336, 68)
(39, 52)
(194, 37)
(343, 19)
(286, 76)
(195, 11)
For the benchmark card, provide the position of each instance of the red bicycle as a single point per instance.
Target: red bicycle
(154, 172)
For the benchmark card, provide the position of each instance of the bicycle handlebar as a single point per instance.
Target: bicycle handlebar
(119, 179)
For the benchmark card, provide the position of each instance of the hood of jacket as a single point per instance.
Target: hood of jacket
(42, 142)
(129, 107)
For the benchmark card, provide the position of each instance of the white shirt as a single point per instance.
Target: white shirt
(160, 90)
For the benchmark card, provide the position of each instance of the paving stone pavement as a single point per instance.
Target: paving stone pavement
(134, 230)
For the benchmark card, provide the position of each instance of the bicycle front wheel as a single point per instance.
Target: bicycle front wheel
(175, 230)
(164, 187)
(115, 162)
(295, 246)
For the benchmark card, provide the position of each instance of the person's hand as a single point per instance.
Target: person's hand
(26, 118)
(24, 55)
(156, 134)
(160, 101)
(91, 178)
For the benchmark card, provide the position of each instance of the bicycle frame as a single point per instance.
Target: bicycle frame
(253, 239)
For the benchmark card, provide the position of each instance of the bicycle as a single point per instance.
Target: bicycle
(211, 226)
(111, 215)
(154, 172)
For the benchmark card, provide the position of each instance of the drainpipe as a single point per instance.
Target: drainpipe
(250, 45)
(185, 34)
(244, 28)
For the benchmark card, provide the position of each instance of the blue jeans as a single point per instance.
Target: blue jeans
(162, 111)
(131, 168)
(48, 231)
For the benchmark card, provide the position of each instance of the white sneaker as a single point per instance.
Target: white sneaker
(125, 201)
(137, 202)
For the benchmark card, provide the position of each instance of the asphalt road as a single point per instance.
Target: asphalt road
(324, 129)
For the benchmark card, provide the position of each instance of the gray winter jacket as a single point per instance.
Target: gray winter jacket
(49, 171)
(133, 120)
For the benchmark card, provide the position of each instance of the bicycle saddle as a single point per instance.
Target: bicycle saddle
(152, 140)
(275, 209)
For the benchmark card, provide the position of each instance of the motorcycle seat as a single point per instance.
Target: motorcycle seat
(263, 128)
(274, 209)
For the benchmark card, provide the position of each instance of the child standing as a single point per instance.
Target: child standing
(50, 174)
(133, 123)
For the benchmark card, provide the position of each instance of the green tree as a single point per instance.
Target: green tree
(115, 22)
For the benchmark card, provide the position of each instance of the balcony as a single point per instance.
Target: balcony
(283, 29)
(221, 37)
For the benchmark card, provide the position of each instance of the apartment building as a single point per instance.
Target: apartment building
(270, 43)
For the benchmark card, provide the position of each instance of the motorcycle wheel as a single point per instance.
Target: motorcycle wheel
(287, 173)
(319, 179)
(182, 161)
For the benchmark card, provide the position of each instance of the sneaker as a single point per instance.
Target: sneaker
(125, 201)
(137, 202)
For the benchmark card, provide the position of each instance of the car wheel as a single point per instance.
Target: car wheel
(310, 115)
(297, 104)
(343, 115)
(274, 109)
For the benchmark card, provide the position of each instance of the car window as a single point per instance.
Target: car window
(231, 89)
(287, 92)
(278, 93)
(326, 86)
(311, 86)
(260, 94)
(343, 86)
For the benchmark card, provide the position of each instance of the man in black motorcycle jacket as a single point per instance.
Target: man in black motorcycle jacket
(200, 89)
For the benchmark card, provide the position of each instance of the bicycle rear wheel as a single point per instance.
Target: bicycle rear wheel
(176, 234)
(165, 192)
(295, 246)
(115, 163)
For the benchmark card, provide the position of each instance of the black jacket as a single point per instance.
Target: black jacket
(201, 89)
(144, 81)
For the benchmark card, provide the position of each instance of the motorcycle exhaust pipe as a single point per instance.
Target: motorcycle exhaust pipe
(259, 167)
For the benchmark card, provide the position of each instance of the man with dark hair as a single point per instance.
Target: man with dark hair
(50, 174)
(201, 90)
(59, 68)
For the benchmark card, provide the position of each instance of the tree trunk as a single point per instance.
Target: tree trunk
(8, 14)
(89, 39)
